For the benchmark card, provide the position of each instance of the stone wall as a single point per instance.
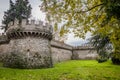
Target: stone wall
(4, 45)
(28, 46)
(4, 49)
(63, 52)
(60, 51)
(33, 52)
(85, 54)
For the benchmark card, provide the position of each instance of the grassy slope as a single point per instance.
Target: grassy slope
(70, 70)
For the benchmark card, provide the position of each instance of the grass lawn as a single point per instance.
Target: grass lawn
(69, 70)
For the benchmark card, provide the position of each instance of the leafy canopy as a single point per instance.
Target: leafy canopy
(97, 16)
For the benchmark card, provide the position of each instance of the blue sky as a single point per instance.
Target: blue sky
(37, 14)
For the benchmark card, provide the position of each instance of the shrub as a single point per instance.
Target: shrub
(116, 58)
(102, 59)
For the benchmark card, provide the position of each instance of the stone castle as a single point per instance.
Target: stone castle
(31, 46)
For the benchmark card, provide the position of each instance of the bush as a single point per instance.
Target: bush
(102, 59)
(116, 58)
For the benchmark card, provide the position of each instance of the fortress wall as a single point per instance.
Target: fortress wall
(4, 45)
(84, 54)
(60, 52)
(31, 45)
(63, 52)
(36, 49)
(4, 49)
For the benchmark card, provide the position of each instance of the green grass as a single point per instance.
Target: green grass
(70, 70)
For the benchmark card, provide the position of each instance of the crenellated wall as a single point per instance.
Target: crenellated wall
(34, 40)
(29, 45)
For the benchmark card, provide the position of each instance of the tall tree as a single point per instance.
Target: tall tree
(96, 16)
(103, 47)
(23, 10)
(9, 15)
(19, 10)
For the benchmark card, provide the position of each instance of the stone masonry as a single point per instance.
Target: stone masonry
(30, 46)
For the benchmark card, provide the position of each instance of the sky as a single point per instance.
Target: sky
(37, 14)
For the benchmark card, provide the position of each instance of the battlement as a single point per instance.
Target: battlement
(31, 25)
(32, 28)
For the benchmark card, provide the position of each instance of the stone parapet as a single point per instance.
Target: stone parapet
(31, 25)
(33, 29)
(60, 45)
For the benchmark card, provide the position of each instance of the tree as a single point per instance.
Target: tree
(19, 10)
(9, 16)
(103, 47)
(23, 10)
(97, 16)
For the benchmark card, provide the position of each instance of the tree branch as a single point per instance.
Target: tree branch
(93, 7)
(86, 10)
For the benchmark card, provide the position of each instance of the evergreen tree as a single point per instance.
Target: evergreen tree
(19, 10)
(9, 16)
(23, 10)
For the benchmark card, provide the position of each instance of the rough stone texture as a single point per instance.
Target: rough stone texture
(61, 45)
(4, 49)
(84, 54)
(60, 51)
(59, 55)
(29, 46)
(32, 48)
(4, 46)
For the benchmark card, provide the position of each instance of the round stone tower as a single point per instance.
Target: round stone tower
(29, 45)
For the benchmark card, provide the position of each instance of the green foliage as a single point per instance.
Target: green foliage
(103, 47)
(9, 16)
(23, 9)
(115, 58)
(19, 10)
(96, 16)
(101, 59)
(70, 70)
